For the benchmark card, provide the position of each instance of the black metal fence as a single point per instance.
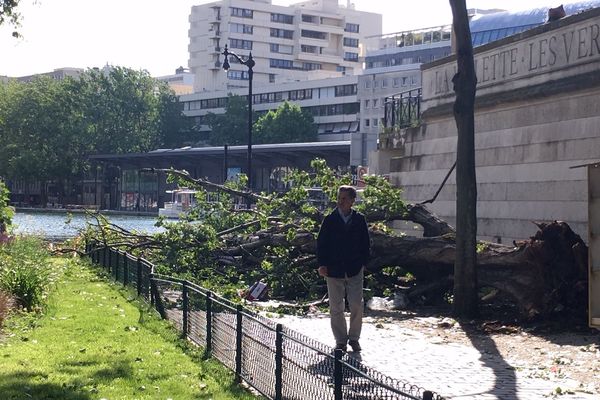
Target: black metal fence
(402, 110)
(276, 361)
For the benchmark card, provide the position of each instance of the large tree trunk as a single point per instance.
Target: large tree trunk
(465, 267)
(544, 274)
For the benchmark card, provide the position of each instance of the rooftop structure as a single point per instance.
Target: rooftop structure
(487, 28)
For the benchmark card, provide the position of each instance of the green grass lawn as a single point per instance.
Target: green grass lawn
(96, 342)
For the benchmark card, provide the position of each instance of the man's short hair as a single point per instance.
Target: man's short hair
(348, 189)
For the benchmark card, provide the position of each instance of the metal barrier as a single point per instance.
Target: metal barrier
(402, 110)
(278, 362)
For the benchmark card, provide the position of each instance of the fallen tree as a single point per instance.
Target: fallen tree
(220, 245)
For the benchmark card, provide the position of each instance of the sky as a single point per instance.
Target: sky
(152, 34)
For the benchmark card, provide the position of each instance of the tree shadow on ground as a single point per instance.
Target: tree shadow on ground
(505, 382)
(29, 385)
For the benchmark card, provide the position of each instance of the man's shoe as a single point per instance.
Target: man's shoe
(355, 345)
(341, 346)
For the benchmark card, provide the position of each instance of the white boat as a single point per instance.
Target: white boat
(182, 201)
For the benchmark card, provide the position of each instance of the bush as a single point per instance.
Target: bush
(24, 271)
(6, 303)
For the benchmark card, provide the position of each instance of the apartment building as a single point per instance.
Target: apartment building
(58, 74)
(332, 102)
(315, 39)
(392, 69)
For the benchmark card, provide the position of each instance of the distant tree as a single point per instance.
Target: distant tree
(175, 130)
(288, 124)
(122, 110)
(232, 126)
(9, 15)
(48, 128)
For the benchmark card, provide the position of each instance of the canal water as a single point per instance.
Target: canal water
(60, 226)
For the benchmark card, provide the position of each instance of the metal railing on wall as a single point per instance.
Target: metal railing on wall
(402, 110)
(276, 361)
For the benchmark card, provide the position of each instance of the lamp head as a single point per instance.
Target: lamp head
(226, 60)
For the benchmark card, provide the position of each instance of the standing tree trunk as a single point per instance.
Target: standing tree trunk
(465, 266)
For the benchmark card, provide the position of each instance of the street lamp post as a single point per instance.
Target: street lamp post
(249, 62)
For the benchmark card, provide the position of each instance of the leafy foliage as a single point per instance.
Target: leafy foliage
(231, 127)
(288, 124)
(49, 127)
(6, 211)
(25, 271)
(225, 248)
(9, 14)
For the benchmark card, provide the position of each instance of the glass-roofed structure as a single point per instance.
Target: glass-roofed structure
(486, 28)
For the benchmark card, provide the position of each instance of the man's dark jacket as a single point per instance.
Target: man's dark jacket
(343, 247)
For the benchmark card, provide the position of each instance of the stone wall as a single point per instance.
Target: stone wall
(537, 115)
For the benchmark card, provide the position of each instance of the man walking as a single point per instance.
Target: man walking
(343, 252)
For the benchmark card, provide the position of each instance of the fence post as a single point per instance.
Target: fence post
(238, 343)
(139, 276)
(104, 250)
(208, 323)
(427, 395)
(186, 305)
(117, 265)
(337, 374)
(157, 301)
(278, 362)
(125, 269)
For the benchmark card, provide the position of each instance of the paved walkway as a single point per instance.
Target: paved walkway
(456, 371)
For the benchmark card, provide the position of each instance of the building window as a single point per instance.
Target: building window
(313, 34)
(311, 19)
(271, 78)
(241, 12)
(367, 84)
(240, 44)
(374, 103)
(367, 103)
(384, 83)
(374, 123)
(348, 56)
(367, 122)
(241, 28)
(351, 28)
(341, 69)
(281, 48)
(345, 90)
(282, 33)
(302, 94)
(282, 18)
(350, 42)
(309, 49)
(237, 75)
(396, 82)
(307, 66)
(277, 63)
